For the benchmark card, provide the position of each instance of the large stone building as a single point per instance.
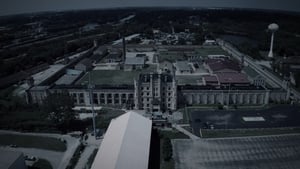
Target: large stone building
(164, 86)
(156, 92)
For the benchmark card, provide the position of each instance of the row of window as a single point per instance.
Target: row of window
(101, 99)
(148, 99)
(156, 88)
(155, 94)
(146, 106)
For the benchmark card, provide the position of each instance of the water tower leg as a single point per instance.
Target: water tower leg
(271, 47)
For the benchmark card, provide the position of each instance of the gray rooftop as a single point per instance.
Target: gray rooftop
(276, 152)
(7, 158)
(135, 61)
(67, 79)
(183, 66)
(250, 72)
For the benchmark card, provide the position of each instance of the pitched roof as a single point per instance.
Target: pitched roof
(232, 77)
(222, 65)
(250, 72)
(126, 143)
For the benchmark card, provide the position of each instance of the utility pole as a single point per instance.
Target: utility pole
(91, 87)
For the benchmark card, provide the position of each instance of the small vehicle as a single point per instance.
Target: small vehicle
(13, 145)
(30, 158)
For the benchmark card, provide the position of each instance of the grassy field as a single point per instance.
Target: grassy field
(211, 50)
(171, 57)
(104, 118)
(34, 121)
(47, 143)
(207, 133)
(116, 77)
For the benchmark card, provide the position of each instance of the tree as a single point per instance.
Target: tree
(59, 106)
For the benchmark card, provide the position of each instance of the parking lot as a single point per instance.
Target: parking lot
(277, 116)
(276, 152)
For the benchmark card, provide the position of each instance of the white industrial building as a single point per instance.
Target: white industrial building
(126, 144)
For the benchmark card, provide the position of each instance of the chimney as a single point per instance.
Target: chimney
(124, 48)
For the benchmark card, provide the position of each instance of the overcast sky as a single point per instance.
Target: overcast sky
(24, 6)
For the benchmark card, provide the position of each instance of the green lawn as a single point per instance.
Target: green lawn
(40, 142)
(116, 77)
(172, 57)
(106, 115)
(30, 120)
(41, 164)
(211, 50)
(207, 133)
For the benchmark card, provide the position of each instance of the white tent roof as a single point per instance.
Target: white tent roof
(126, 143)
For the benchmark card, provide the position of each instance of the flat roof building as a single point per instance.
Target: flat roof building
(126, 144)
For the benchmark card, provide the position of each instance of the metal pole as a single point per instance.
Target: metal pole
(92, 104)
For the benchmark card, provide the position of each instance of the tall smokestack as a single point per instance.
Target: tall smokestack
(124, 48)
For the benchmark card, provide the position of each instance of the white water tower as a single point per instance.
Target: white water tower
(273, 28)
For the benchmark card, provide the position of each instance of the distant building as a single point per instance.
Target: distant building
(209, 42)
(69, 78)
(166, 66)
(182, 67)
(222, 65)
(126, 143)
(134, 63)
(113, 58)
(211, 80)
(254, 77)
(12, 160)
(233, 78)
(84, 65)
(216, 80)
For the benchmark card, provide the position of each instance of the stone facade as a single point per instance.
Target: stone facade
(156, 92)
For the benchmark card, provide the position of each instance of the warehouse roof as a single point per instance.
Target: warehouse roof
(126, 143)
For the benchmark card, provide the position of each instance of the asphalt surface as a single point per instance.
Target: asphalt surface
(278, 116)
(276, 152)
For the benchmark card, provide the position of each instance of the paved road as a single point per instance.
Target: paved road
(276, 152)
(91, 145)
(81, 164)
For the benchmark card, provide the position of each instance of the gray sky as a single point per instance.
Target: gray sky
(24, 6)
